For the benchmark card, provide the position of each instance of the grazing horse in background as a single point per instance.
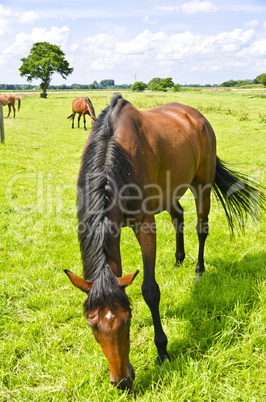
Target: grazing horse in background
(9, 100)
(136, 164)
(82, 106)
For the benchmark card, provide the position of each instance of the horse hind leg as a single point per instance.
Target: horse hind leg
(73, 118)
(79, 117)
(9, 110)
(177, 215)
(202, 199)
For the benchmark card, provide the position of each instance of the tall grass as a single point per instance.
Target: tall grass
(215, 328)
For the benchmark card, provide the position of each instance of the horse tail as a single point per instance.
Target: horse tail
(18, 99)
(69, 117)
(238, 194)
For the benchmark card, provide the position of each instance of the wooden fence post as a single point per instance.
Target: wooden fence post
(2, 129)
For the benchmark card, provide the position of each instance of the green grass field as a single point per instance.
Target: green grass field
(215, 327)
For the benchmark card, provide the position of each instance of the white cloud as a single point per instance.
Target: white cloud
(56, 35)
(160, 49)
(28, 17)
(3, 59)
(144, 42)
(5, 19)
(197, 6)
(257, 49)
(98, 65)
(23, 42)
(209, 66)
(5, 12)
(235, 38)
(251, 24)
(171, 9)
(9, 19)
(105, 52)
(3, 26)
(148, 21)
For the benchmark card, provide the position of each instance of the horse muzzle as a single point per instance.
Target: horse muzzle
(125, 383)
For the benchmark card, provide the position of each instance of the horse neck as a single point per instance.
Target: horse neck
(90, 111)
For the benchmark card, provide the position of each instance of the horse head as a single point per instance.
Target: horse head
(110, 326)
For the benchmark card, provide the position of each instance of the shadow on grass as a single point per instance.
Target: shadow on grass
(216, 313)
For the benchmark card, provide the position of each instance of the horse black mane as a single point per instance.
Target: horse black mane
(105, 169)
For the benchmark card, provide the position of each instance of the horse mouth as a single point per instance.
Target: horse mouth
(125, 383)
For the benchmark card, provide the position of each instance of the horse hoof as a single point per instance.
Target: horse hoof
(198, 276)
(162, 358)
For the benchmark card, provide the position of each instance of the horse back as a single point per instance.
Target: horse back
(172, 136)
(169, 145)
(80, 105)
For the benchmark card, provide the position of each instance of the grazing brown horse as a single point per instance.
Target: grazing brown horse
(9, 100)
(82, 106)
(136, 164)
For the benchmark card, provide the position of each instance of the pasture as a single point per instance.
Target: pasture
(215, 327)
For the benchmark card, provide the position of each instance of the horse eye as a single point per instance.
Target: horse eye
(93, 326)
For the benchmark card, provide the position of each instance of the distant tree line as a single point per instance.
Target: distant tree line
(260, 79)
(104, 84)
(164, 84)
(13, 87)
(155, 84)
(238, 83)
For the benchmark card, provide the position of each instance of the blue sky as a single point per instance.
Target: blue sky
(192, 41)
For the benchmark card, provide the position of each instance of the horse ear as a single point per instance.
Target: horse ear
(80, 283)
(127, 279)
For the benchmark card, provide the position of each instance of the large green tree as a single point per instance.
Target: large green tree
(43, 61)
(138, 86)
(160, 84)
(261, 79)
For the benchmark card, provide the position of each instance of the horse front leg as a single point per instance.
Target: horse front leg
(146, 235)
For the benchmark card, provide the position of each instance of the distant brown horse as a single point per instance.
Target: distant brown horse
(136, 164)
(82, 106)
(9, 100)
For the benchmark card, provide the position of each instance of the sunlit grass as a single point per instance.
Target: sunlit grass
(215, 328)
